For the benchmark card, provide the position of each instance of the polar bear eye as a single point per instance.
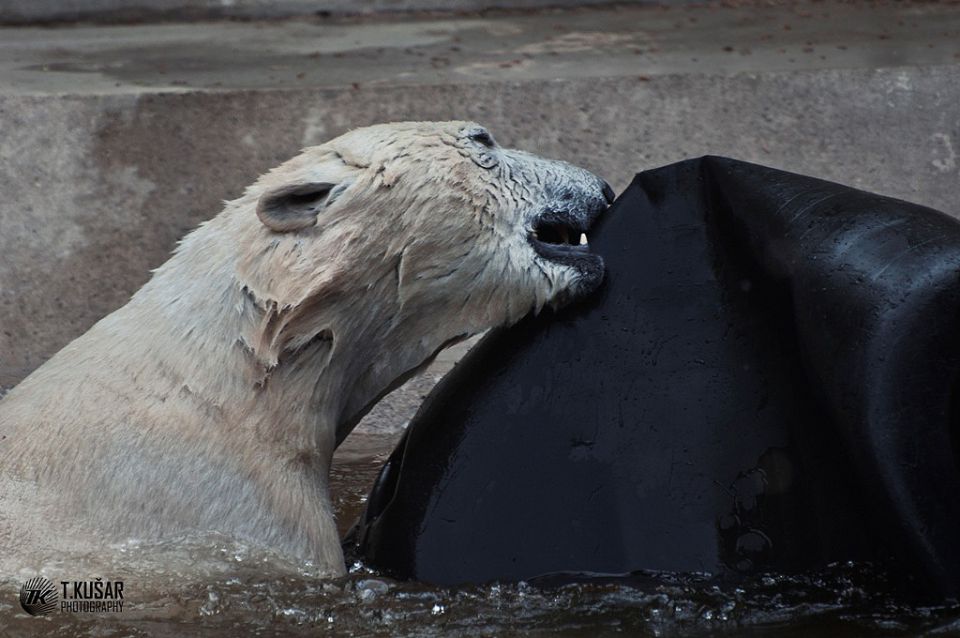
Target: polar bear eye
(482, 137)
(479, 135)
(481, 157)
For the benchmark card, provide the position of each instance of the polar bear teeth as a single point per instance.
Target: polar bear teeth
(583, 239)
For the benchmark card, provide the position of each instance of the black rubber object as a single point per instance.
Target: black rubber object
(766, 381)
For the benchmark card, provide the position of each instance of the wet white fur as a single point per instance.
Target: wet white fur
(212, 400)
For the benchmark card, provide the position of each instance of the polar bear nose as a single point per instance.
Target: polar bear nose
(608, 193)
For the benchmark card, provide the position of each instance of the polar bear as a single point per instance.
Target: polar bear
(214, 399)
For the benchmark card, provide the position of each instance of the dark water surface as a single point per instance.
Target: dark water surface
(836, 603)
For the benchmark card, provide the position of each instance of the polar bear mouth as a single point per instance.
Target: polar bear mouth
(562, 237)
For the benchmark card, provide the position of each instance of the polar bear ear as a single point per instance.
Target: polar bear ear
(294, 206)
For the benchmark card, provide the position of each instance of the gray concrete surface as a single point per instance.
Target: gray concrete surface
(576, 44)
(115, 141)
(113, 11)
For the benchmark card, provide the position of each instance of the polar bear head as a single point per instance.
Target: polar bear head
(417, 232)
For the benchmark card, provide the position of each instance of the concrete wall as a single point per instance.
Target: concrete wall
(116, 141)
(98, 189)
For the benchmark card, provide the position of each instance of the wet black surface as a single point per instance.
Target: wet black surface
(764, 384)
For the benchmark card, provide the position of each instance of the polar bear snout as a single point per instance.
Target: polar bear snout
(566, 223)
(560, 233)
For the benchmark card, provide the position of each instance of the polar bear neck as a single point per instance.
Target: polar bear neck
(312, 395)
(193, 423)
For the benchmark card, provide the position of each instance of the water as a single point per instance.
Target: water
(234, 590)
(259, 600)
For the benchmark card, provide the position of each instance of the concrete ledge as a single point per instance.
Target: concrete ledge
(106, 161)
(617, 42)
(14, 12)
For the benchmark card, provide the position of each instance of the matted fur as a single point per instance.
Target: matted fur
(215, 398)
